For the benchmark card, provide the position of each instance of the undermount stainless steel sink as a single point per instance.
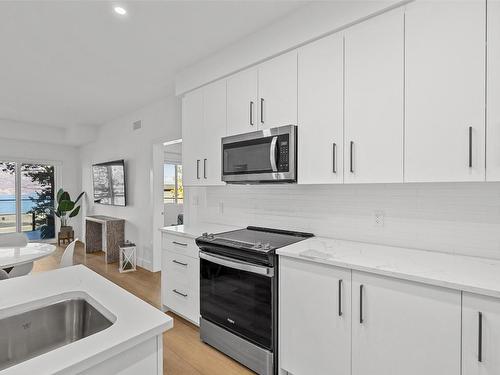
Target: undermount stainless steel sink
(48, 327)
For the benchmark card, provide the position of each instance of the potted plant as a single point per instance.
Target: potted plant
(66, 209)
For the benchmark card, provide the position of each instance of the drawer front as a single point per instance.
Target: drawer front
(181, 284)
(180, 245)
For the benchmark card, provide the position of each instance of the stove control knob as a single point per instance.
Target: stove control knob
(258, 245)
(267, 246)
(205, 235)
(211, 236)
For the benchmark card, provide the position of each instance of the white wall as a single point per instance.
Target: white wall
(452, 217)
(117, 140)
(65, 156)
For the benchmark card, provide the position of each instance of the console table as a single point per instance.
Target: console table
(104, 233)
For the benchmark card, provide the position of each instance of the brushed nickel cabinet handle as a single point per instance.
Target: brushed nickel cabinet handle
(251, 113)
(334, 157)
(340, 297)
(470, 146)
(261, 110)
(205, 169)
(180, 263)
(179, 293)
(198, 169)
(179, 243)
(351, 151)
(480, 337)
(361, 289)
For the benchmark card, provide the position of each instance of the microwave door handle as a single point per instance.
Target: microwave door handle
(242, 266)
(272, 153)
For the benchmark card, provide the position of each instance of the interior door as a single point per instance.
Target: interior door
(493, 97)
(400, 327)
(214, 126)
(481, 335)
(278, 91)
(445, 91)
(321, 112)
(315, 318)
(242, 104)
(374, 76)
(192, 131)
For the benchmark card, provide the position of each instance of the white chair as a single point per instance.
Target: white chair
(21, 270)
(67, 257)
(13, 240)
(3, 275)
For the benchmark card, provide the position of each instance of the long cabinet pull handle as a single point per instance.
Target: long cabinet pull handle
(351, 156)
(180, 263)
(470, 146)
(340, 297)
(480, 337)
(251, 113)
(334, 157)
(179, 293)
(198, 169)
(261, 110)
(179, 243)
(361, 288)
(205, 169)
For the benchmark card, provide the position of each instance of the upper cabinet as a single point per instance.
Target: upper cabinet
(493, 94)
(203, 126)
(242, 98)
(445, 91)
(321, 112)
(374, 87)
(264, 96)
(278, 91)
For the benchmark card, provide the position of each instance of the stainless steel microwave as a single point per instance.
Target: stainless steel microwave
(264, 156)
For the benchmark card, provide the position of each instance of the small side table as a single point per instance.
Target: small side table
(65, 236)
(128, 257)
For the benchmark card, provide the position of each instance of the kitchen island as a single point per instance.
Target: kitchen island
(130, 343)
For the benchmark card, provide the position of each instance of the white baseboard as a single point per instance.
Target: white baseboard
(146, 264)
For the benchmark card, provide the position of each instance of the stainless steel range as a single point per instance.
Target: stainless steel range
(239, 293)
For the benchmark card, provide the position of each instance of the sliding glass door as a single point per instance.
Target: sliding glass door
(27, 199)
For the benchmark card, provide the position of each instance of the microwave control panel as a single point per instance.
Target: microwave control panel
(283, 150)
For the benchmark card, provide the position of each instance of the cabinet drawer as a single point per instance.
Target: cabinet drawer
(180, 245)
(181, 285)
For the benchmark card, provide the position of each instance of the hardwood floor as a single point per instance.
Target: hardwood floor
(183, 352)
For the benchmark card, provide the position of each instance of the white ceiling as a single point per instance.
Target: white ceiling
(66, 63)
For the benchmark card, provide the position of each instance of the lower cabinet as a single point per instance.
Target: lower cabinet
(400, 327)
(342, 322)
(480, 335)
(315, 318)
(180, 277)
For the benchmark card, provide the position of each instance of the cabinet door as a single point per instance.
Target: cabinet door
(374, 86)
(320, 112)
(278, 91)
(214, 126)
(242, 102)
(192, 130)
(480, 335)
(315, 318)
(493, 85)
(401, 327)
(445, 91)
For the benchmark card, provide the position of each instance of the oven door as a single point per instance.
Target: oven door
(237, 296)
(264, 156)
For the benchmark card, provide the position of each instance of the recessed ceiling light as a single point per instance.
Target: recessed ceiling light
(119, 10)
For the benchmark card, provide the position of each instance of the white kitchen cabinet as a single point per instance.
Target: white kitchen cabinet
(192, 130)
(480, 335)
(278, 91)
(242, 101)
(214, 128)
(493, 94)
(315, 318)
(321, 112)
(401, 327)
(374, 87)
(445, 91)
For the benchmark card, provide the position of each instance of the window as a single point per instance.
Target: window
(173, 191)
(27, 199)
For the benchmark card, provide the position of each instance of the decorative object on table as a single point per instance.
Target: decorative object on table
(65, 237)
(104, 233)
(128, 257)
(66, 209)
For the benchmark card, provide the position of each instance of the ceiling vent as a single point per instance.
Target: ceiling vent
(137, 125)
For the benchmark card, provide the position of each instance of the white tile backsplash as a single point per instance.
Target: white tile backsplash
(450, 217)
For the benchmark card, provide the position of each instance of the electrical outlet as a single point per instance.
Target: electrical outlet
(378, 218)
(221, 208)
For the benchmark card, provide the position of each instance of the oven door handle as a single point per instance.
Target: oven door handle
(242, 266)
(272, 153)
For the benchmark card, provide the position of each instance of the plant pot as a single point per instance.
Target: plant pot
(66, 229)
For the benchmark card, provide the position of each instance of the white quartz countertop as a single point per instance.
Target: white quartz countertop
(193, 231)
(469, 274)
(134, 320)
